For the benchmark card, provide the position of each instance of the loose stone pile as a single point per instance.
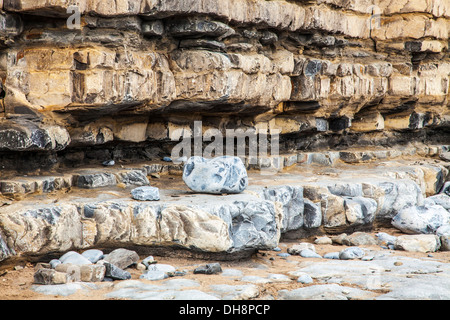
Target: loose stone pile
(371, 268)
(94, 266)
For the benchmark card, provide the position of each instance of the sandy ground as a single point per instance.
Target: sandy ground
(16, 281)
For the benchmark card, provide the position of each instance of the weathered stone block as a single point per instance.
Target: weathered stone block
(133, 177)
(24, 135)
(418, 243)
(95, 180)
(51, 277)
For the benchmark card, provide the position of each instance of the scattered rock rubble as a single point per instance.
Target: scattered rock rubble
(372, 271)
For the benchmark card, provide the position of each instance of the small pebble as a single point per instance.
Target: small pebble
(323, 240)
(212, 268)
(109, 163)
(148, 261)
(351, 253)
(162, 267)
(115, 272)
(181, 273)
(283, 255)
(308, 253)
(141, 267)
(305, 279)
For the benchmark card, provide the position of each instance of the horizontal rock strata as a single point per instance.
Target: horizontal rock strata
(282, 205)
(87, 74)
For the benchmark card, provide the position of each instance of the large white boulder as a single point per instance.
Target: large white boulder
(216, 176)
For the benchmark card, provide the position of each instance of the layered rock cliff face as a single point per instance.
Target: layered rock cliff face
(87, 81)
(327, 73)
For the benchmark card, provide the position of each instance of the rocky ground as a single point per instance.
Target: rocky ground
(381, 274)
(353, 94)
(331, 220)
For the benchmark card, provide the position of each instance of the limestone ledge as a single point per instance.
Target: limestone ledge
(219, 229)
(137, 174)
(137, 70)
(96, 82)
(293, 16)
(387, 7)
(293, 205)
(63, 79)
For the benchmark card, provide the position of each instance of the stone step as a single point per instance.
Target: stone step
(332, 158)
(89, 178)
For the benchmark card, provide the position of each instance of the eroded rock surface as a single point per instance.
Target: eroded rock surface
(138, 71)
(347, 103)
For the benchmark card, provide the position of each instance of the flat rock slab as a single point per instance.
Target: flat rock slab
(208, 223)
(326, 292)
